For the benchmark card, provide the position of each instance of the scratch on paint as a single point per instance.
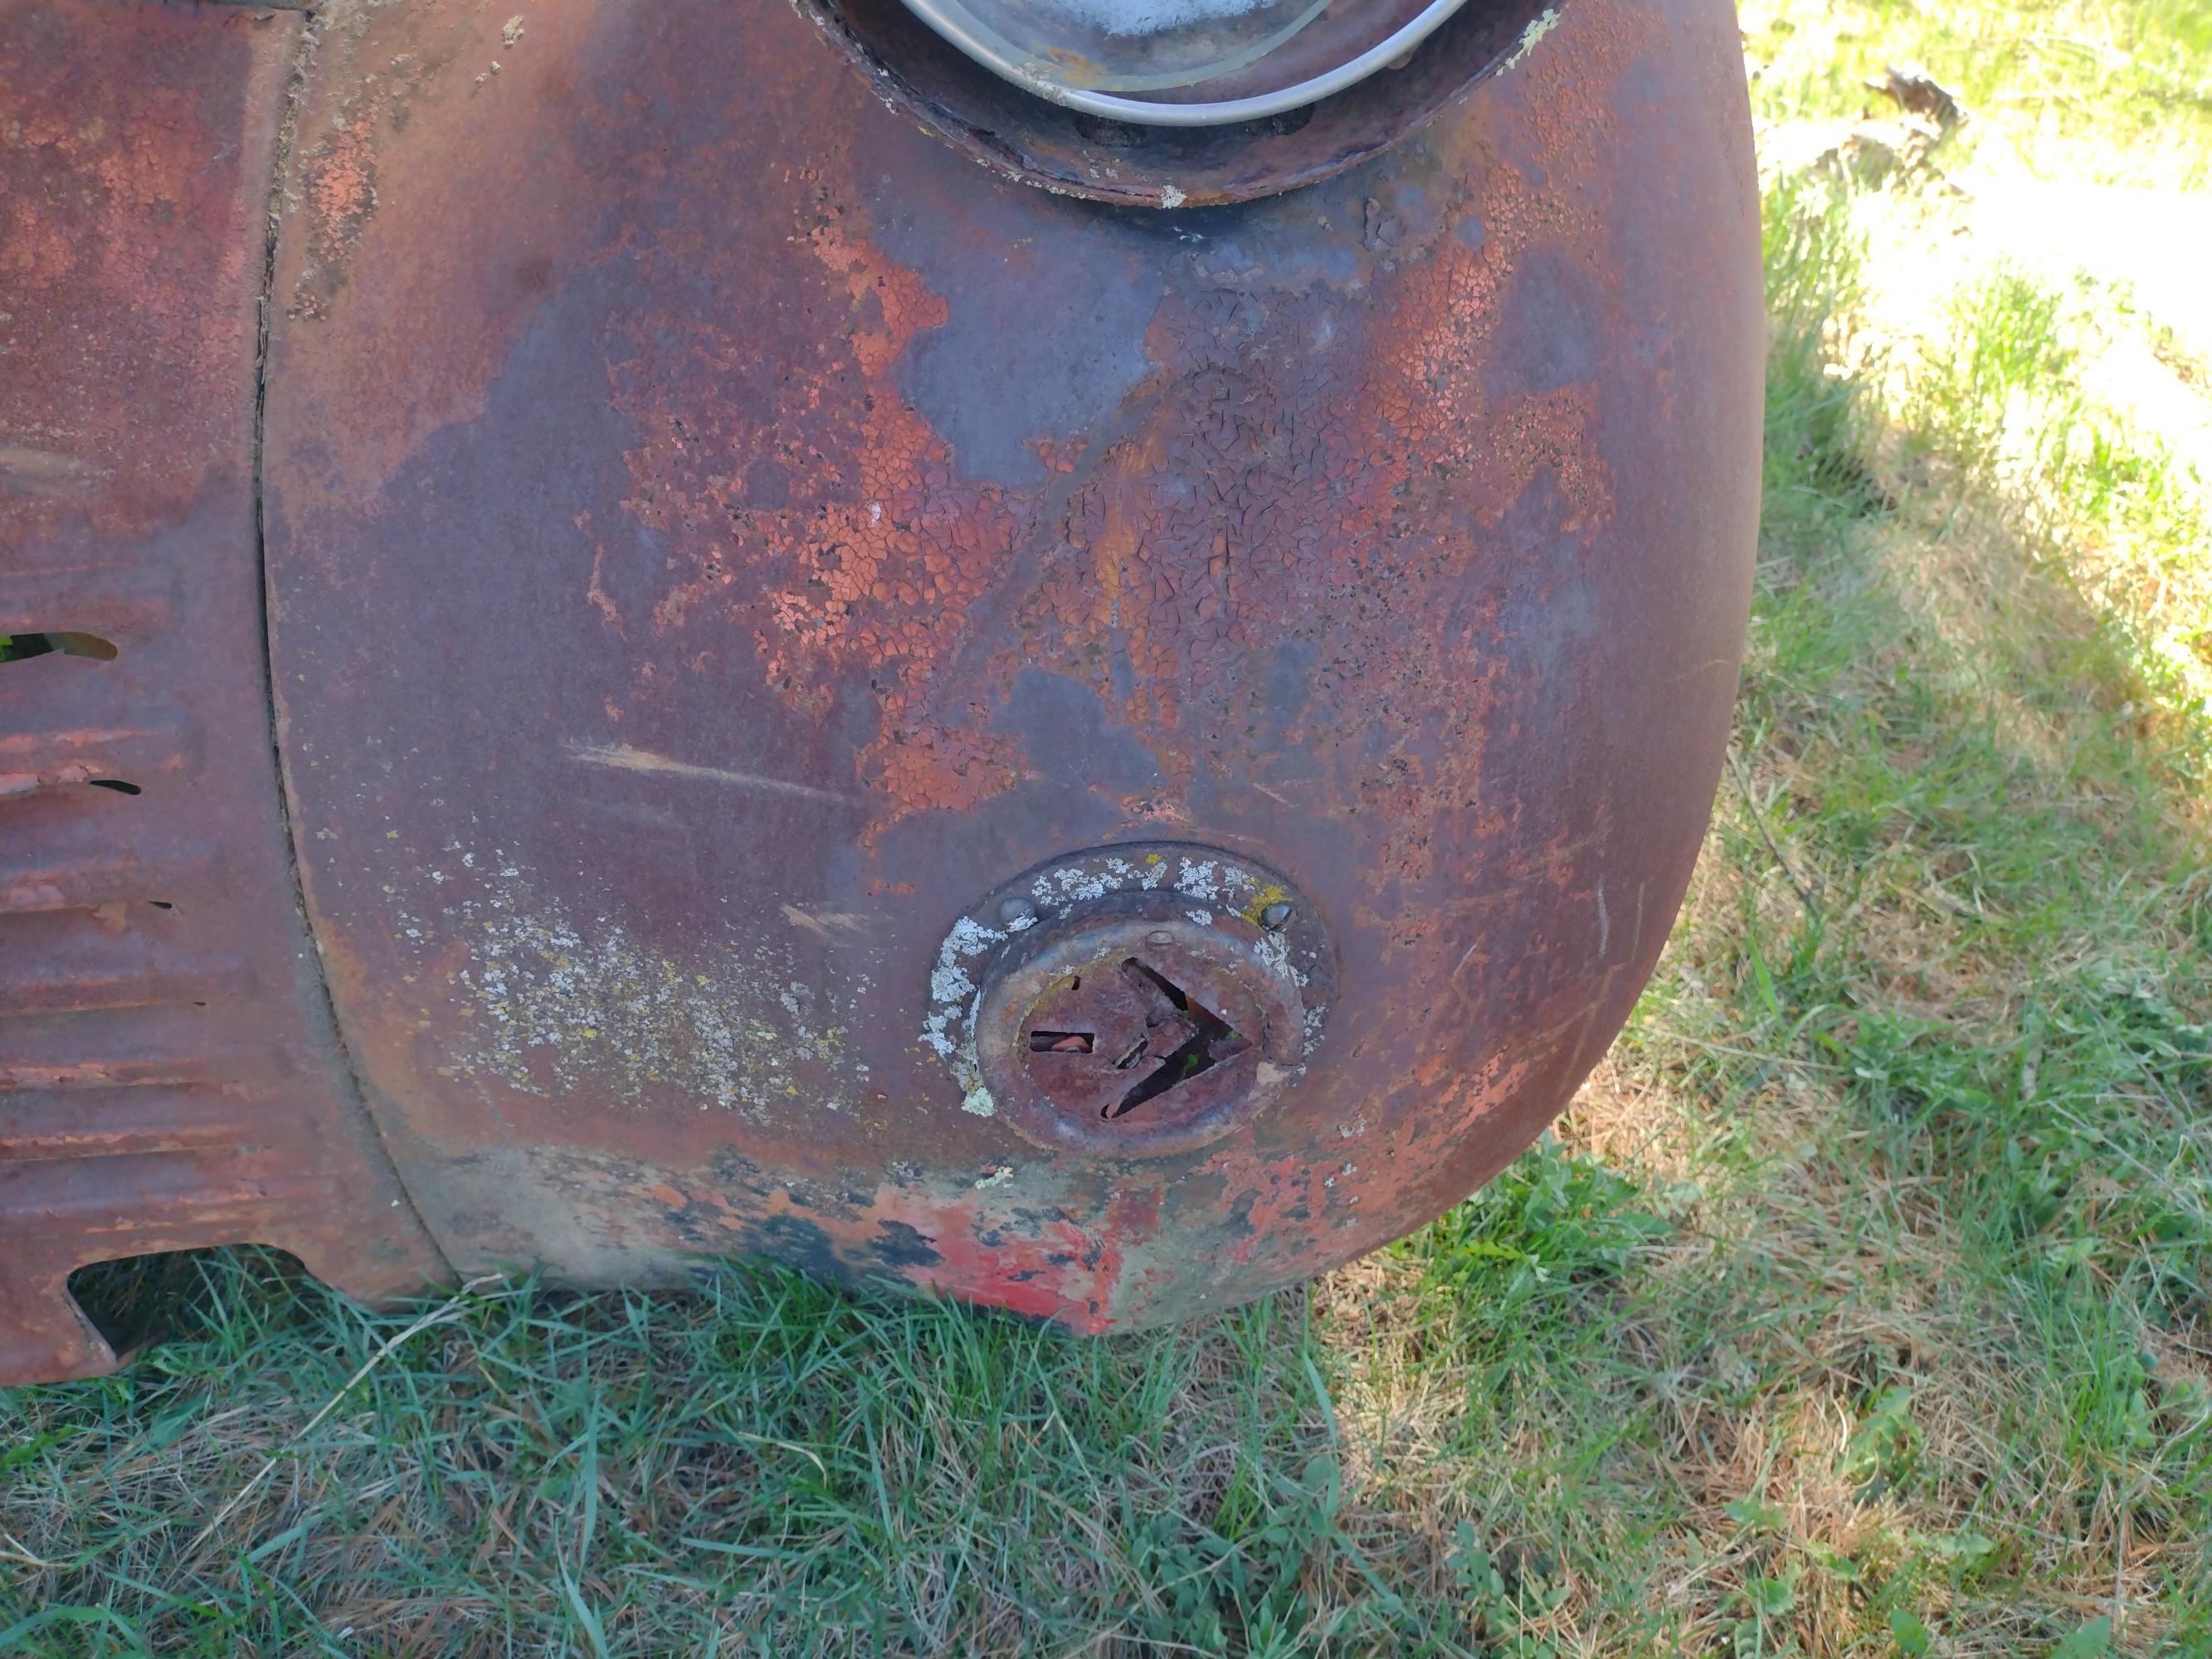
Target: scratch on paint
(832, 927)
(624, 759)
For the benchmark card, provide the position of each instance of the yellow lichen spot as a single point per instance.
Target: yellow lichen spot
(1273, 893)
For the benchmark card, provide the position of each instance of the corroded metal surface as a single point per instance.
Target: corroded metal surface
(835, 702)
(719, 536)
(168, 1076)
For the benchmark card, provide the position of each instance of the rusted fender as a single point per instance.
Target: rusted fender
(1088, 722)
(719, 535)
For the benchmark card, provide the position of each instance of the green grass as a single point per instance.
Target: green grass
(2115, 90)
(1858, 1307)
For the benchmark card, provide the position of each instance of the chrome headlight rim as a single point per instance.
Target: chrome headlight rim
(957, 26)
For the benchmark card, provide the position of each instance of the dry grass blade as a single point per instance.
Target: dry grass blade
(445, 1313)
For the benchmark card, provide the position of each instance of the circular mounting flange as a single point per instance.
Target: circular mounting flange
(1137, 1001)
(1009, 128)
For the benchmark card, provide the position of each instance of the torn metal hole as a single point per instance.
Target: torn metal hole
(134, 1302)
(1212, 1041)
(1167, 987)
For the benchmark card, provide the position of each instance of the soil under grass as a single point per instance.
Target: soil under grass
(1858, 1306)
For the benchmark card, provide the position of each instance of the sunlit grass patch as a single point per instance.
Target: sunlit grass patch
(2092, 89)
(1951, 936)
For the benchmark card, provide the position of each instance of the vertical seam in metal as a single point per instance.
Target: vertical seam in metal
(351, 1086)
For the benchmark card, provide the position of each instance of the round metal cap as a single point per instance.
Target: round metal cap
(1135, 1002)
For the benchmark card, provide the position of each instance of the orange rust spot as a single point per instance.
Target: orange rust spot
(872, 550)
(341, 189)
(1553, 432)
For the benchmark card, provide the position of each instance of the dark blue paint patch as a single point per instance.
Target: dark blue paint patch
(1290, 687)
(796, 1241)
(1044, 341)
(1062, 726)
(1547, 623)
(1551, 327)
(1291, 264)
(901, 1246)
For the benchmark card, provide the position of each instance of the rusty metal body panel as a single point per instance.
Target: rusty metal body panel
(734, 565)
(169, 1077)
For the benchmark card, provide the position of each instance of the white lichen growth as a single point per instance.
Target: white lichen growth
(563, 1005)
